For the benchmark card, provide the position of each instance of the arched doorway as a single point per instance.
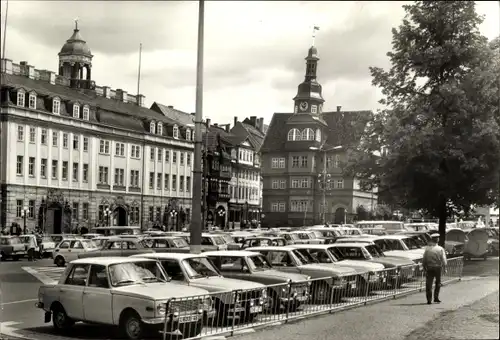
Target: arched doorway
(340, 216)
(121, 216)
(54, 218)
(220, 217)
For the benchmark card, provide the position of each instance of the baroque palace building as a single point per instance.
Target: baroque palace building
(74, 154)
(302, 157)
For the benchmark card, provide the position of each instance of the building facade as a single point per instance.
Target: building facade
(302, 157)
(74, 154)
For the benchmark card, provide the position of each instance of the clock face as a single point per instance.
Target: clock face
(303, 106)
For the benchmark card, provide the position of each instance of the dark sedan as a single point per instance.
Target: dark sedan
(117, 246)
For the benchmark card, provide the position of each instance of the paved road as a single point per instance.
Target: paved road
(19, 282)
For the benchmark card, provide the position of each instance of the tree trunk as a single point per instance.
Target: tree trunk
(443, 215)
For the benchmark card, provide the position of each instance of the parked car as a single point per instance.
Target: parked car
(211, 242)
(130, 293)
(455, 242)
(308, 237)
(47, 246)
(228, 239)
(263, 241)
(390, 227)
(324, 254)
(477, 244)
(252, 266)
(119, 246)
(166, 244)
(11, 247)
(70, 249)
(26, 239)
(90, 236)
(57, 238)
(290, 260)
(290, 238)
(404, 268)
(198, 271)
(493, 246)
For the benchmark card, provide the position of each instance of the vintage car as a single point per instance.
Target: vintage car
(308, 237)
(389, 246)
(57, 238)
(131, 293)
(477, 244)
(420, 236)
(263, 241)
(47, 246)
(209, 241)
(119, 246)
(390, 227)
(328, 280)
(404, 268)
(325, 254)
(493, 246)
(70, 249)
(328, 235)
(252, 266)
(455, 242)
(229, 240)
(90, 236)
(198, 271)
(166, 244)
(11, 247)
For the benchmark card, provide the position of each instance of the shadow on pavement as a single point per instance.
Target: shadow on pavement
(411, 304)
(80, 331)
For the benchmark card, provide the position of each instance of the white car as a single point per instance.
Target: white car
(131, 293)
(68, 249)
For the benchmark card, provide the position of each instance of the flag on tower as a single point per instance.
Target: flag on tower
(316, 28)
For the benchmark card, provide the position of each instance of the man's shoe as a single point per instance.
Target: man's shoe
(437, 301)
(429, 303)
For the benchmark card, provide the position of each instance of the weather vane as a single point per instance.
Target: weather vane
(315, 29)
(76, 23)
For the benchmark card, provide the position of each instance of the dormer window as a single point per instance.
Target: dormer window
(32, 101)
(159, 129)
(76, 111)
(56, 106)
(175, 132)
(86, 112)
(308, 134)
(294, 135)
(188, 134)
(152, 127)
(20, 97)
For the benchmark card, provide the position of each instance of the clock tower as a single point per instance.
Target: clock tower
(309, 99)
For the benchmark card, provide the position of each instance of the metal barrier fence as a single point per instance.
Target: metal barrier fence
(227, 312)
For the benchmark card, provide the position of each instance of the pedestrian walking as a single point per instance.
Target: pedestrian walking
(434, 264)
(32, 245)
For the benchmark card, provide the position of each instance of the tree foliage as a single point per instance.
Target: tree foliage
(436, 145)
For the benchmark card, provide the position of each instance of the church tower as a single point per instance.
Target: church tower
(75, 61)
(309, 99)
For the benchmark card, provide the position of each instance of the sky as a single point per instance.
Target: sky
(254, 51)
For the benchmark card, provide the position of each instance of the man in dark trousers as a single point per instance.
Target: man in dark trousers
(434, 263)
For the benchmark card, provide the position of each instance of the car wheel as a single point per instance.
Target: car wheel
(132, 326)
(15, 258)
(60, 319)
(59, 261)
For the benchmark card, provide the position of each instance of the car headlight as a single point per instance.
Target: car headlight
(264, 293)
(160, 309)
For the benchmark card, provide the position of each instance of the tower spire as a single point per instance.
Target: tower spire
(315, 29)
(76, 24)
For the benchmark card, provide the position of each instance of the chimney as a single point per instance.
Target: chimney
(207, 122)
(52, 77)
(261, 125)
(106, 91)
(339, 108)
(216, 125)
(170, 106)
(140, 99)
(121, 95)
(27, 70)
(228, 128)
(253, 121)
(6, 66)
(235, 120)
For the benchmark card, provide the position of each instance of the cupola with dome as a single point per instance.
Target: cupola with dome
(75, 61)
(309, 99)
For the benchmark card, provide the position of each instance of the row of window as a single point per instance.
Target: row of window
(314, 109)
(55, 138)
(30, 213)
(156, 154)
(157, 128)
(295, 206)
(56, 105)
(305, 183)
(163, 181)
(302, 162)
(245, 193)
(54, 173)
(305, 135)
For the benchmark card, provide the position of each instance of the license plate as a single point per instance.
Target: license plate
(353, 286)
(255, 309)
(302, 298)
(188, 318)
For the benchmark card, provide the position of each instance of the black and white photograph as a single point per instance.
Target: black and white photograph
(249, 170)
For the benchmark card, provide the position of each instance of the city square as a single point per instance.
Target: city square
(288, 198)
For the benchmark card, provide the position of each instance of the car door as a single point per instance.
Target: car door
(97, 297)
(75, 248)
(71, 292)
(130, 247)
(63, 248)
(112, 248)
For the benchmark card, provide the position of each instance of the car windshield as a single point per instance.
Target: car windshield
(391, 244)
(411, 243)
(304, 257)
(218, 240)
(89, 243)
(354, 253)
(258, 262)
(12, 240)
(320, 255)
(180, 242)
(335, 253)
(318, 234)
(227, 238)
(420, 240)
(47, 239)
(374, 250)
(303, 236)
(129, 273)
(198, 267)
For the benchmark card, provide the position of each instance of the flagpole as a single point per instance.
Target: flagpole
(5, 28)
(196, 227)
(139, 71)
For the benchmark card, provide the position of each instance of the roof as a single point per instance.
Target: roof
(236, 253)
(392, 237)
(168, 237)
(270, 248)
(75, 45)
(109, 112)
(183, 118)
(106, 260)
(357, 239)
(312, 246)
(166, 256)
(357, 245)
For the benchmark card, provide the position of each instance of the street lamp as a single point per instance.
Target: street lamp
(107, 215)
(173, 215)
(24, 214)
(324, 177)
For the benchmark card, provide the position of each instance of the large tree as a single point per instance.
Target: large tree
(436, 145)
